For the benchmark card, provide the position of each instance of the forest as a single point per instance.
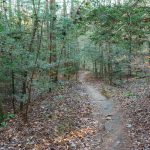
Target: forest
(74, 75)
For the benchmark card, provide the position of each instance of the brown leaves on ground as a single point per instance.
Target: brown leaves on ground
(81, 133)
(133, 97)
(62, 120)
(53, 115)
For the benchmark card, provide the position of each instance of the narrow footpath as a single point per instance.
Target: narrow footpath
(108, 120)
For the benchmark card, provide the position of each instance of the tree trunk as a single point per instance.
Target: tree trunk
(52, 48)
(13, 91)
(25, 86)
(130, 45)
(1, 110)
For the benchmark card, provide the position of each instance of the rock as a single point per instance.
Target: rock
(108, 118)
(128, 125)
(73, 145)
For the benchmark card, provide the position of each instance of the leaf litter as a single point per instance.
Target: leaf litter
(62, 120)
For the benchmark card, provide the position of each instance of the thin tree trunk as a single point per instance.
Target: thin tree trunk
(109, 64)
(32, 75)
(13, 91)
(12, 71)
(1, 109)
(35, 29)
(53, 57)
(130, 45)
(149, 52)
(24, 92)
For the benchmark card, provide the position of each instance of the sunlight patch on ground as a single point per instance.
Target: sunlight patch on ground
(75, 134)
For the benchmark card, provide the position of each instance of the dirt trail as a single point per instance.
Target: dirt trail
(108, 120)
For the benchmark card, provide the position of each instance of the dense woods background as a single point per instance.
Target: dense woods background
(44, 42)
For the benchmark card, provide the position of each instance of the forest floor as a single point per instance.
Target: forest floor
(76, 116)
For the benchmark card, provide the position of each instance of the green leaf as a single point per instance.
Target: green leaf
(3, 124)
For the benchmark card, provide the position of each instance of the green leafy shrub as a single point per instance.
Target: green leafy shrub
(4, 118)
